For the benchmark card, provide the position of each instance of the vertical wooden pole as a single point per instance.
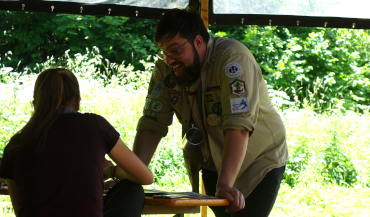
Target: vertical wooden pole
(204, 12)
(203, 209)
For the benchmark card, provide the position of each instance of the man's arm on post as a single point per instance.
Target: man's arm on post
(146, 142)
(235, 147)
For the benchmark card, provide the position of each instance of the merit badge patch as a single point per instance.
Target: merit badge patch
(147, 102)
(156, 106)
(151, 86)
(233, 70)
(213, 120)
(209, 98)
(174, 100)
(217, 109)
(151, 114)
(239, 105)
(157, 90)
(237, 87)
(169, 81)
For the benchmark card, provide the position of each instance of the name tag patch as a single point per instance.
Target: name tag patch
(239, 105)
(156, 106)
(237, 87)
(233, 70)
(157, 90)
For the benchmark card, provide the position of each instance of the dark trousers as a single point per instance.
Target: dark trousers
(125, 199)
(258, 204)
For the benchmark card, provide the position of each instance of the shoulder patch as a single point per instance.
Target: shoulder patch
(237, 87)
(233, 70)
(148, 101)
(169, 81)
(151, 114)
(156, 106)
(157, 90)
(213, 88)
(239, 105)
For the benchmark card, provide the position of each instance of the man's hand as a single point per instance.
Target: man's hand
(235, 198)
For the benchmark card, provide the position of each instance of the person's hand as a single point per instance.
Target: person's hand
(235, 198)
(106, 165)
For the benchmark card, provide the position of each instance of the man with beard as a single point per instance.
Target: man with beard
(215, 85)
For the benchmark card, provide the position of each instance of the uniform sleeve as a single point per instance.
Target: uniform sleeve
(6, 165)
(157, 111)
(109, 134)
(240, 81)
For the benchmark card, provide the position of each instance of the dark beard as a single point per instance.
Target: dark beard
(190, 73)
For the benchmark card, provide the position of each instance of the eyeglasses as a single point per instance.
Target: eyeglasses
(173, 55)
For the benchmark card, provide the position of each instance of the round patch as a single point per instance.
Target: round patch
(169, 81)
(156, 106)
(233, 70)
(174, 100)
(217, 109)
(213, 120)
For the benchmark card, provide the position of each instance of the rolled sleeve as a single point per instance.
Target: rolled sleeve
(240, 92)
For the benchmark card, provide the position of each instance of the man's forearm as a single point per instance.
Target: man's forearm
(146, 142)
(235, 147)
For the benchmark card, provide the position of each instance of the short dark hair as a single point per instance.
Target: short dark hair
(187, 23)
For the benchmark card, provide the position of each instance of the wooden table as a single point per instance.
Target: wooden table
(179, 206)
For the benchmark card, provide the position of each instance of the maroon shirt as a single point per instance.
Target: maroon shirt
(65, 178)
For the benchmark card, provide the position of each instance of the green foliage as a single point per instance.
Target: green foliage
(33, 37)
(327, 66)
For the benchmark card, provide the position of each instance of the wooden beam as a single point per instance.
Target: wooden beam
(204, 12)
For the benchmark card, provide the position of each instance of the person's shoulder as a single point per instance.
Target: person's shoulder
(231, 45)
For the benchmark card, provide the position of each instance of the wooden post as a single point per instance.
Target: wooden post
(203, 209)
(204, 12)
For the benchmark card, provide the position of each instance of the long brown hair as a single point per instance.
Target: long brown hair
(54, 89)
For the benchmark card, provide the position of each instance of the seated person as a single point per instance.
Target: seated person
(54, 165)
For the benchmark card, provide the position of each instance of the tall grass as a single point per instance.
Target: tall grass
(328, 170)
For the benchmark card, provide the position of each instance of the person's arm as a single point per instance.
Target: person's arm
(130, 166)
(146, 142)
(235, 147)
(14, 194)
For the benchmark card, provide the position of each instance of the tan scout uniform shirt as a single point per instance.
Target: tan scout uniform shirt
(235, 96)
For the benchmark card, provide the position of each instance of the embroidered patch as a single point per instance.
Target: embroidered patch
(217, 109)
(237, 87)
(233, 70)
(209, 98)
(175, 92)
(157, 90)
(156, 106)
(151, 86)
(213, 120)
(147, 102)
(151, 114)
(169, 81)
(239, 105)
(213, 88)
(174, 100)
